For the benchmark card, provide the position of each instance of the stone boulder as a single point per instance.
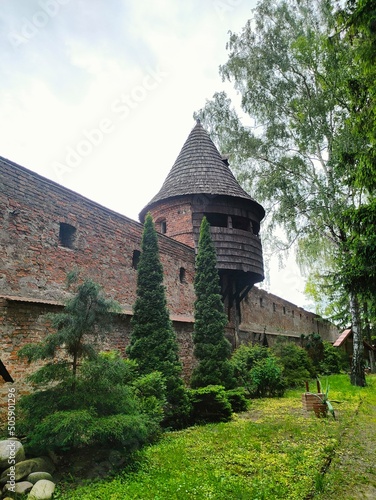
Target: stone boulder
(36, 476)
(10, 449)
(20, 488)
(42, 490)
(26, 467)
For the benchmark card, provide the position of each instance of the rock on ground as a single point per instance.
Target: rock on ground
(26, 467)
(37, 476)
(9, 449)
(42, 490)
(19, 488)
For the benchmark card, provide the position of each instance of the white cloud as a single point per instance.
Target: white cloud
(140, 67)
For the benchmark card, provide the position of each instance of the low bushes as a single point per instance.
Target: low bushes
(297, 365)
(108, 404)
(237, 399)
(209, 404)
(258, 371)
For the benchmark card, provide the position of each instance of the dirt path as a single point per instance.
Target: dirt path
(352, 474)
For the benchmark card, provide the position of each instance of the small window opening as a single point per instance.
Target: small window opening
(261, 302)
(241, 223)
(67, 235)
(217, 220)
(135, 258)
(293, 313)
(274, 306)
(284, 310)
(256, 228)
(163, 226)
(182, 275)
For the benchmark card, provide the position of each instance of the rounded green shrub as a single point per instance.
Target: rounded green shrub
(209, 404)
(333, 360)
(297, 365)
(258, 371)
(237, 399)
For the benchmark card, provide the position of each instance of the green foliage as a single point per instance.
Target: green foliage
(84, 398)
(333, 361)
(297, 365)
(209, 404)
(313, 344)
(211, 347)
(237, 399)
(258, 371)
(289, 80)
(107, 407)
(62, 430)
(357, 21)
(84, 320)
(307, 87)
(273, 452)
(357, 254)
(266, 377)
(153, 341)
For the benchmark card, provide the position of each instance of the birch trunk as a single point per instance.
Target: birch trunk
(357, 366)
(368, 337)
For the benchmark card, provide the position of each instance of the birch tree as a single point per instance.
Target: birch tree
(289, 66)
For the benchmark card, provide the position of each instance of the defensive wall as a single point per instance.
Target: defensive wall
(47, 230)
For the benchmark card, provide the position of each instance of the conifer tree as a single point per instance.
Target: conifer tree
(212, 349)
(153, 341)
(85, 318)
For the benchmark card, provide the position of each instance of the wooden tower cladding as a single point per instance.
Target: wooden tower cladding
(200, 184)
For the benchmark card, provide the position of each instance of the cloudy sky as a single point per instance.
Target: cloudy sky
(99, 95)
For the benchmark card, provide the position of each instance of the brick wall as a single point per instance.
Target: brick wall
(25, 322)
(34, 263)
(264, 312)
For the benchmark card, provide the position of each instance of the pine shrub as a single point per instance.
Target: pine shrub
(105, 408)
(153, 341)
(209, 404)
(211, 348)
(237, 399)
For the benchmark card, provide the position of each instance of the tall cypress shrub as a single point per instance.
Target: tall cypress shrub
(211, 348)
(153, 341)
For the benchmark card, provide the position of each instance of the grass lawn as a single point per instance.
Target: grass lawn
(273, 451)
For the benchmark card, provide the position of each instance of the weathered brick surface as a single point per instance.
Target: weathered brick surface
(177, 215)
(34, 264)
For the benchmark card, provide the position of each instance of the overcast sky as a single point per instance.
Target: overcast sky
(99, 95)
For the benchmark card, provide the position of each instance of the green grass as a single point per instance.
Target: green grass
(273, 451)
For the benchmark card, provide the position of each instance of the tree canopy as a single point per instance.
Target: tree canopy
(291, 144)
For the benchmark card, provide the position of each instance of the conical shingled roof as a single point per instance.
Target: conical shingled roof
(199, 169)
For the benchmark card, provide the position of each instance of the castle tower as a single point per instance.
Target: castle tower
(200, 183)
